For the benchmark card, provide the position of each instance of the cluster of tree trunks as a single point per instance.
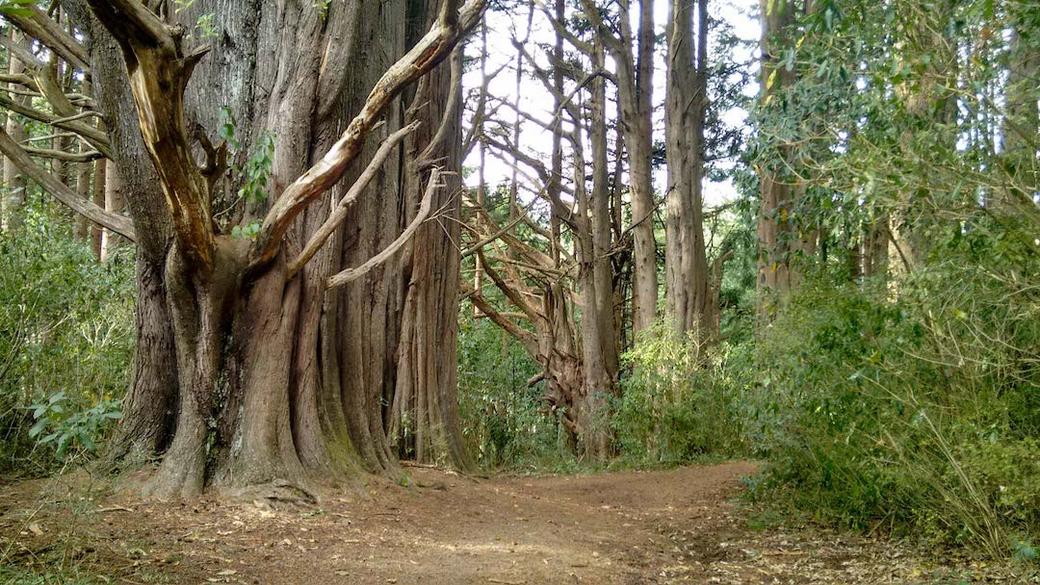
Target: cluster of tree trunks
(320, 342)
(568, 279)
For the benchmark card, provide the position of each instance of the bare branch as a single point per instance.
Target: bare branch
(423, 160)
(522, 335)
(38, 25)
(352, 274)
(93, 136)
(79, 157)
(113, 221)
(159, 68)
(340, 213)
(135, 23)
(425, 55)
(516, 297)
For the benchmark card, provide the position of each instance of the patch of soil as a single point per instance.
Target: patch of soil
(676, 526)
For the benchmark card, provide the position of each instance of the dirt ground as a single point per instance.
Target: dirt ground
(676, 526)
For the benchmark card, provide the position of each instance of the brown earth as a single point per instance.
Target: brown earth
(677, 526)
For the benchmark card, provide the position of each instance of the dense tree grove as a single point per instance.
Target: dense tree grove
(304, 241)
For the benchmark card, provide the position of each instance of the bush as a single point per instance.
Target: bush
(504, 420)
(679, 402)
(913, 405)
(66, 341)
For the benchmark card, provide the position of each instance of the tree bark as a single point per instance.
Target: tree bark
(14, 182)
(636, 92)
(114, 202)
(691, 300)
(777, 233)
(277, 377)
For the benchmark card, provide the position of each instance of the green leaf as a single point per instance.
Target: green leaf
(38, 428)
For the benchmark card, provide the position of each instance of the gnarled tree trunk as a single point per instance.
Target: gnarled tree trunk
(275, 356)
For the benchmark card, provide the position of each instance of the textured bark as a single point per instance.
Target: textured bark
(636, 91)
(777, 230)
(277, 378)
(114, 202)
(150, 406)
(14, 181)
(81, 229)
(874, 256)
(424, 418)
(598, 247)
(691, 300)
(634, 79)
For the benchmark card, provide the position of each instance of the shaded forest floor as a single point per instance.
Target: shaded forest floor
(676, 526)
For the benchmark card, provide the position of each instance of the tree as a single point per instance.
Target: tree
(691, 294)
(634, 80)
(777, 228)
(558, 275)
(270, 310)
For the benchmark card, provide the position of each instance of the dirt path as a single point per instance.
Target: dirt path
(677, 526)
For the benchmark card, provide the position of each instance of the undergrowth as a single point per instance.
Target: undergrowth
(66, 343)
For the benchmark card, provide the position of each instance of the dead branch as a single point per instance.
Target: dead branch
(339, 214)
(113, 221)
(423, 57)
(352, 274)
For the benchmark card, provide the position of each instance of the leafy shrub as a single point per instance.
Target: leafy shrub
(679, 402)
(66, 341)
(504, 420)
(71, 429)
(912, 405)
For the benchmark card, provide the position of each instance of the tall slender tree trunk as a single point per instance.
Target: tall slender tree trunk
(425, 421)
(601, 241)
(691, 305)
(637, 112)
(14, 182)
(114, 201)
(777, 232)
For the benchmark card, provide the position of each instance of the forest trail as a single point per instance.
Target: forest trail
(674, 526)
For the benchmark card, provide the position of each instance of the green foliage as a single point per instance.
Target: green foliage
(257, 170)
(228, 124)
(252, 176)
(505, 421)
(71, 429)
(66, 340)
(679, 403)
(916, 410)
(247, 231)
(322, 6)
(206, 26)
(26, 577)
(17, 7)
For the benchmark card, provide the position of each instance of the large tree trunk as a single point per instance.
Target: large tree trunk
(277, 377)
(424, 417)
(690, 298)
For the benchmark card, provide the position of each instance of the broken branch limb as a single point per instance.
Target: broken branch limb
(339, 214)
(21, 159)
(418, 61)
(93, 136)
(38, 25)
(352, 274)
